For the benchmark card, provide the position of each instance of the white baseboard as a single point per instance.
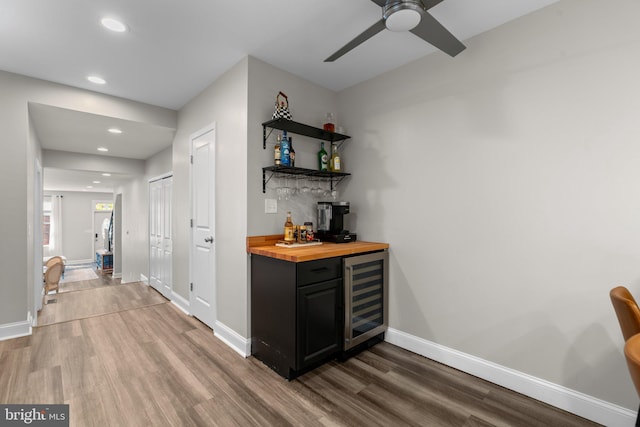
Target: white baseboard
(15, 330)
(180, 302)
(583, 405)
(144, 279)
(117, 275)
(80, 261)
(241, 345)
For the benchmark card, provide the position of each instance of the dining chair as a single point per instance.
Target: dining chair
(627, 311)
(55, 260)
(632, 354)
(52, 277)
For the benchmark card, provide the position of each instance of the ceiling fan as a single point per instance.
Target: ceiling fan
(407, 15)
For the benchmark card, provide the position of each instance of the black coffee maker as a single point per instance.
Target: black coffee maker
(331, 222)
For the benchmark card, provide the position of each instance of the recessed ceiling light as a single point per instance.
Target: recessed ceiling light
(106, 174)
(114, 25)
(115, 130)
(96, 182)
(89, 186)
(97, 80)
(103, 149)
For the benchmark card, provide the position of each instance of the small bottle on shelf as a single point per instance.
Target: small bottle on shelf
(285, 150)
(323, 159)
(334, 164)
(276, 152)
(288, 229)
(292, 153)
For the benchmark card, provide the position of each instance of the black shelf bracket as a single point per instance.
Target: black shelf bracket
(265, 136)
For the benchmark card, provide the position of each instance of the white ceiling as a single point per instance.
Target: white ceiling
(174, 49)
(73, 180)
(80, 132)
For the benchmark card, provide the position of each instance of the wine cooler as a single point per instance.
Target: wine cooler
(366, 280)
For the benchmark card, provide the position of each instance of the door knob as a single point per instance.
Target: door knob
(208, 239)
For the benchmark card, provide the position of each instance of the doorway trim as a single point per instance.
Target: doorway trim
(38, 289)
(117, 237)
(94, 211)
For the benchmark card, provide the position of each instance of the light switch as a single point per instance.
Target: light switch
(270, 206)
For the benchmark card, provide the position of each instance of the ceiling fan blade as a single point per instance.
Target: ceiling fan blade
(428, 4)
(367, 34)
(431, 31)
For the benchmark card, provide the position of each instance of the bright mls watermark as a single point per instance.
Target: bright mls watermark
(34, 415)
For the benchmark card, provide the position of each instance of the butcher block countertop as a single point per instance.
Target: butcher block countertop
(265, 246)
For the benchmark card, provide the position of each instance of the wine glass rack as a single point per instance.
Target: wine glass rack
(333, 177)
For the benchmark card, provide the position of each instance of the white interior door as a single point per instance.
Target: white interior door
(98, 238)
(202, 297)
(166, 241)
(155, 235)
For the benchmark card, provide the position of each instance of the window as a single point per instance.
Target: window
(103, 206)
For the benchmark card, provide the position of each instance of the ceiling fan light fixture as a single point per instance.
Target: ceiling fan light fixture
(402, 15)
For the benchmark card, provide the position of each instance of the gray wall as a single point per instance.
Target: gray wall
(225, 103)
(506, 181)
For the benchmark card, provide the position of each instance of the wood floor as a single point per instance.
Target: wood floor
(96, 300)
(77, 281)
(148, 364)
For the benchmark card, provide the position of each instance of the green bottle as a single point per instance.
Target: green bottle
(323, 159)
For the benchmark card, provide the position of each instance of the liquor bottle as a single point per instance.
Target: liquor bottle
(276, 152)
(322, 158)
(334, 164)
(288, 229)
(292, 153)
(285, 150)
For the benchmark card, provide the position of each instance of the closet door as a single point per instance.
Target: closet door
(155, 234)
(165, 236)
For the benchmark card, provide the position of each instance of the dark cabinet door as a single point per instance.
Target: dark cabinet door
(320, 323)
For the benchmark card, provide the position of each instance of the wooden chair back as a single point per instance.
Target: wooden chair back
(627, 311)
(52, 277)
(54, 260)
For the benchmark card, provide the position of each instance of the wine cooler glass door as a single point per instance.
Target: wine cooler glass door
(366, 280)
